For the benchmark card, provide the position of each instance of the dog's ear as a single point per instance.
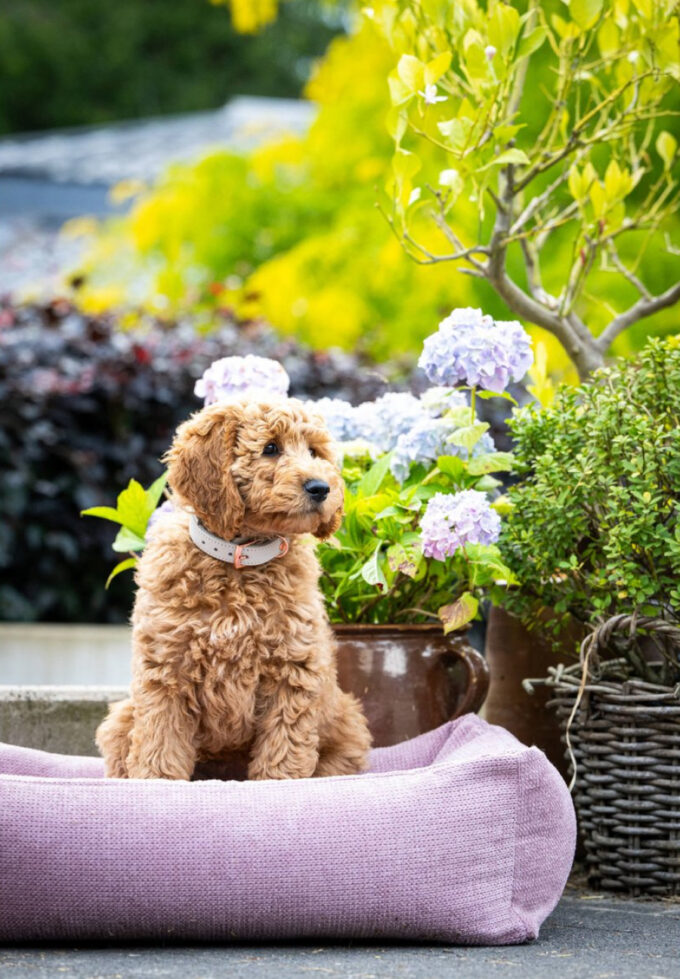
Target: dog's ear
(327, 529)
(199, 468)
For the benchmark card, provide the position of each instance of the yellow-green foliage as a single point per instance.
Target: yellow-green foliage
(292, 231)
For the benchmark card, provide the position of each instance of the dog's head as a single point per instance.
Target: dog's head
(260, 467)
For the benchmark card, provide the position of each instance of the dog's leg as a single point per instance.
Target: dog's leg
(345, 740)
(113, 738)
(162, 740)
(286, 742)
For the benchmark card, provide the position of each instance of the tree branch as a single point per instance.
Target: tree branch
(628, 273)
(580, 347)
(639, 310)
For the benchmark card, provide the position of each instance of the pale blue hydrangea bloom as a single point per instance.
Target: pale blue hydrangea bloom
(452, 520)
(340, 417)
(438, 400)
(426, 441)
(382, 421)
(237, 377)
(471, 348)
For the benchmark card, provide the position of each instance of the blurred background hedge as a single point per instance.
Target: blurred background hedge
(83, 408)
(75, 62)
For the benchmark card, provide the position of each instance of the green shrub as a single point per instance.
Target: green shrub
(594, 529)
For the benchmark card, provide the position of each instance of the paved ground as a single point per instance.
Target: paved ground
(588, 937)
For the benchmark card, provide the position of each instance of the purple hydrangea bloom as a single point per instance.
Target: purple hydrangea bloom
(160, 513)
(340, 417)
(470, 347)
(452, 520)
(234, 377)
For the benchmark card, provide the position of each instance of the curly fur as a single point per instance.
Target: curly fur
(225, 659)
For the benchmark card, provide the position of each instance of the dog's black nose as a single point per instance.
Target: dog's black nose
(317, 489)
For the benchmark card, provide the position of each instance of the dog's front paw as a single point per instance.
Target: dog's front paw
(294, 765)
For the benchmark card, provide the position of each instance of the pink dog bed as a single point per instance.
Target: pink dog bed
(462, 835)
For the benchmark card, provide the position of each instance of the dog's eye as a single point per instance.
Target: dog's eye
(271, 449)
(312, 452)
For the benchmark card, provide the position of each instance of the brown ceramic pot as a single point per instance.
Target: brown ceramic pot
(513, 654)
(410, 678)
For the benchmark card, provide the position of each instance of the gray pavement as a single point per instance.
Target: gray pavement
(588, 935)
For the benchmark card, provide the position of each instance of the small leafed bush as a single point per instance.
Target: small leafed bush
(594, 530)
(84, 407)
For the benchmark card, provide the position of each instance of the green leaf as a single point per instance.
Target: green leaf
(459, 613)
(155, 491)
(437, 67)
(105, 512)
(129, 562)
(399, 93)
(608, 38)
(372, 571)
(459, 416)
(133, 507)
(468, 436)
(488, 395)
(504, 24)
(128, 540)
(411, 72)
(531, 42)
(585, 12)
(494, 462)
(396, 123)
(487, 483)
(666, 147)
(407, 561)
(451, 466)
(371, 482)
(512, 155)
(455, 132)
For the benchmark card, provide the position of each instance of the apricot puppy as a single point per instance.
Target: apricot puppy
(232, 649)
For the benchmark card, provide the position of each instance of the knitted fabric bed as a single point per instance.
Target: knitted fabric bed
(462, 835)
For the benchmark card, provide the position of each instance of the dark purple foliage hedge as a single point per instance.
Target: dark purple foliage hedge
(84, 407)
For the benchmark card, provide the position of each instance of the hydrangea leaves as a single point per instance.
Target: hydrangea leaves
(132, 511)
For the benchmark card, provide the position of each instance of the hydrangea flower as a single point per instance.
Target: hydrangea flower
(426, 441)
(234, 377)
(160, 513)
(384, 420)
(438, 400)
(452, 520)
(470, 347)
(339, 416)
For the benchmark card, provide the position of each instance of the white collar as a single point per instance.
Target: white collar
(240, 552)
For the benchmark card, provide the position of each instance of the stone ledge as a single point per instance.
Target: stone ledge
(54, 718)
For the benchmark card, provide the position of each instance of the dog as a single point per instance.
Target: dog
(232, 648)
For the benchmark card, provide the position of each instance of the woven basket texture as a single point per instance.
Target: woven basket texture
(625, 747)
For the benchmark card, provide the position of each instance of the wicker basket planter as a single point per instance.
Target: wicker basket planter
(623, 745)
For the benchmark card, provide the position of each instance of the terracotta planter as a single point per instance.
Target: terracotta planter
(513, 654)
(410, 679)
